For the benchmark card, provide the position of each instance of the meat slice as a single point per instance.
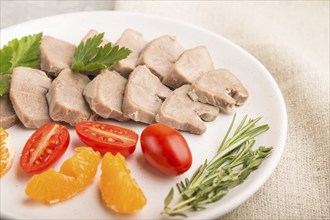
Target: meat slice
(160, 54)
(8, 116)
(219, 88)
(28, 89)
(180, 112)
(104, 95)
(92, 33)
(134, 41)
(191, 64)
(55, 55)
(65, 98)
(143, 95)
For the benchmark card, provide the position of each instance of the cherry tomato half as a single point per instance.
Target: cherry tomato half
(166, 149)
(45, 146)
(107, 138)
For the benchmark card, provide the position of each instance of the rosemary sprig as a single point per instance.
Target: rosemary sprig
(232, 164)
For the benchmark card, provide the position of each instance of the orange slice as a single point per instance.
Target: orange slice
(75, 174)
(7, 152)
(119, 191)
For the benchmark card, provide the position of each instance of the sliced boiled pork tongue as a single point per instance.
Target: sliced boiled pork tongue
(8, 116)
(92, 33)
(160, 54)
(104, 95)
(180, 112)
(55, 55)
(65, 98)
(28, 89)
(219, 88)
(143, 95)
(133, 40)
(191, 64)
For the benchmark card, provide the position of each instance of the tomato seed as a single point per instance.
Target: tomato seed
(49, 151)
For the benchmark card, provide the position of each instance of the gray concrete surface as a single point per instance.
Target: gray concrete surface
(17, 11)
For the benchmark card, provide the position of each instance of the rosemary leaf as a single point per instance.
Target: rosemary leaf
(169, 197)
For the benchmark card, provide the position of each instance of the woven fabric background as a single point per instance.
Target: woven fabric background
(292, 40)
(17, 11)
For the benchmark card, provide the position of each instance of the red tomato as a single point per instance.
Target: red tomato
(45, 146)
(166, 149)
(107, 138)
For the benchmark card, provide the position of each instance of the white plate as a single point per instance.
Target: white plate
(266, 101)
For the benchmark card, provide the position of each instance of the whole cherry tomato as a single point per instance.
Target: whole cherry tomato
(166, 149)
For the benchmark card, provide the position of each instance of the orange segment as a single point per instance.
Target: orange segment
(7, 152)
(119, 191)
(51, 186)
(83, 166)
(75, 174)
(3, 134)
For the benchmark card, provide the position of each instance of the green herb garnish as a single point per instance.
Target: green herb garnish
(4, 84)
(232, 164)
(22, 52)
(90, 56)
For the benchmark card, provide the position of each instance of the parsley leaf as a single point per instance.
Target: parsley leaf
(4, 84)
(6, 54)
(90, 56)
(26, 51)
(22, 52)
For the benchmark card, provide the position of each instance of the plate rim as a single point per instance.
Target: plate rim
(246, 194)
